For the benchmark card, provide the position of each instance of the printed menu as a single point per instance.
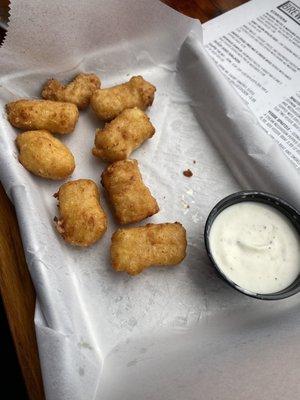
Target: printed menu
(257, 47)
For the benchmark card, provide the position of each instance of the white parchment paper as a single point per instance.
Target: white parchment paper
(170, 332)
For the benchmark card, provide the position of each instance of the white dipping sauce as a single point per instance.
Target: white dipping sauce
(256, 247)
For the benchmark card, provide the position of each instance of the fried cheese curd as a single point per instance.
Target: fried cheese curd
(78, 91)
(44, 155)
(109, 103)
(82, 220)
(56, 117)
(120, 137)
(134, 249)
(130, 198)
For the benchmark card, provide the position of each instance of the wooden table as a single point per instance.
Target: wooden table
(15, 284)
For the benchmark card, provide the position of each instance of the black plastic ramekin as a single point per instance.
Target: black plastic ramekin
(261, 197)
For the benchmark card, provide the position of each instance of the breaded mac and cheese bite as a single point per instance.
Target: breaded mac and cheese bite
(82, 220)
(109, 103)
(120, 137)
(56, 117)
(44, 155)
(134, 249)
(78, 91)
(131, 200)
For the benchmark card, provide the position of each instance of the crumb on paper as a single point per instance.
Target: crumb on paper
(194, 161)
(188, 173)
(196, 217)
(185, 205)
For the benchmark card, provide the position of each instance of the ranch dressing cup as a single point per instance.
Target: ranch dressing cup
(253, 240)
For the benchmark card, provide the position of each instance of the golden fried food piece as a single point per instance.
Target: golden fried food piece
(130, 198)
(82, 220)
(53, 116)
(44, 155)
(134, 249)
(109, 103)
(78, 92)
(124, 134)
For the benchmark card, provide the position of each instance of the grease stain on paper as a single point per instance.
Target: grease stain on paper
(132, 363)
(84, 345)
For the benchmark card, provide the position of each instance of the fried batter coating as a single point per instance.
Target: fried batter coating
(134, 249)
(109, 103)
(78, 92)
(82, 220)
(44, 155)
(124, 134)
(53, 116)
(130, 198)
